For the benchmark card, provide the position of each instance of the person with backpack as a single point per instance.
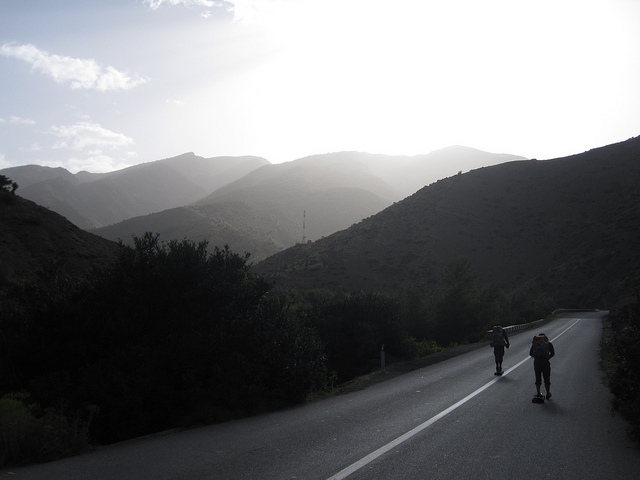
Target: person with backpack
(542, 351)
(499, 340)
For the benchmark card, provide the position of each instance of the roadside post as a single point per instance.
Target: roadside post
(382, 359)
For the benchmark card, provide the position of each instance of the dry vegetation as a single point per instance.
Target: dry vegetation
(566, 227)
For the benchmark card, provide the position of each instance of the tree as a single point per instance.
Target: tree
(455, 303)
(169, 335)
(353, 327)
(7, 184)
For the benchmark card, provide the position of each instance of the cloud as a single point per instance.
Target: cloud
(155, 4)
(79, 73)
(85, 135)
(17, 120)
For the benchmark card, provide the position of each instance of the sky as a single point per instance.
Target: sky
(100, 85)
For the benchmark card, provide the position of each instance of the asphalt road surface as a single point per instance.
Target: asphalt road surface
(451, 420)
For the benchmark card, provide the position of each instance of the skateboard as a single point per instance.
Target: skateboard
(537, 399)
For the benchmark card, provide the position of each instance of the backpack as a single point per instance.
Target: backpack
(540, 346)
(497, 338)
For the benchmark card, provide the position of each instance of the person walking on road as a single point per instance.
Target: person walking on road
(499, 340)
(542, 351)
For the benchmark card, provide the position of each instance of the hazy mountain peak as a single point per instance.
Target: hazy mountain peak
(566, 227)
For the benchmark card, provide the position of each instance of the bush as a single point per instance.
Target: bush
(353, 328)
(6, 184)
(19, 431)
(26, 435)
(424, 348)
(169, 335)
(174, 335)
(624, 352)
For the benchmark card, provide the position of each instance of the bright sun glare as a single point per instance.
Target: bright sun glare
(284, 79)
(399, 77)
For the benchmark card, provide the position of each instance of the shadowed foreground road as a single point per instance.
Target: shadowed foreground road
(451, 420)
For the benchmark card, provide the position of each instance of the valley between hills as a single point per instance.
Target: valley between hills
(358, 221)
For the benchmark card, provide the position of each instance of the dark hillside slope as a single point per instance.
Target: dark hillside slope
(32, 238)
(568, 227)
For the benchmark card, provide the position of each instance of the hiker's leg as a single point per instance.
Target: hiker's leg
(538, 372)
(496, 356)
(499, 354)
(546, 373)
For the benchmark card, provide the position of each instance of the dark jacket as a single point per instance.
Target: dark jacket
(504, 336)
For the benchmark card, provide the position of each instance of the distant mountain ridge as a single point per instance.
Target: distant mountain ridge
(217, 199)
(566, 226)
(91, 200)
(260, 214)
(264, 211)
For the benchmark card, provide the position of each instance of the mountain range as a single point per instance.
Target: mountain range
(92, 200)
(565, 227)
(246, 202)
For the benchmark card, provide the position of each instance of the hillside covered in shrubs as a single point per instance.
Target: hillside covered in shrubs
(103, 341)
(172, 334)
(622, 356)
(566, 227)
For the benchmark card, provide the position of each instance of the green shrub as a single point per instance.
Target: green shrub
(27, 435)
(174, 335)
(354, 326)
(424, 348)
(20, 430)
(624, 352)
(170, 335)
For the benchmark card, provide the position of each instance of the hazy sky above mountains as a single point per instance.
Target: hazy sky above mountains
(102, 84)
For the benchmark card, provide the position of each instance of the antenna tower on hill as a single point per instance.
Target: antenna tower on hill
(304, 215)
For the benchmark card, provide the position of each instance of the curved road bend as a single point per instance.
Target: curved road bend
(451, 420)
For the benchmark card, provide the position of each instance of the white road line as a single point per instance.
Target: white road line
(403, 438)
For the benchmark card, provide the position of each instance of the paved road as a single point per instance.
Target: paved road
(452, 420)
